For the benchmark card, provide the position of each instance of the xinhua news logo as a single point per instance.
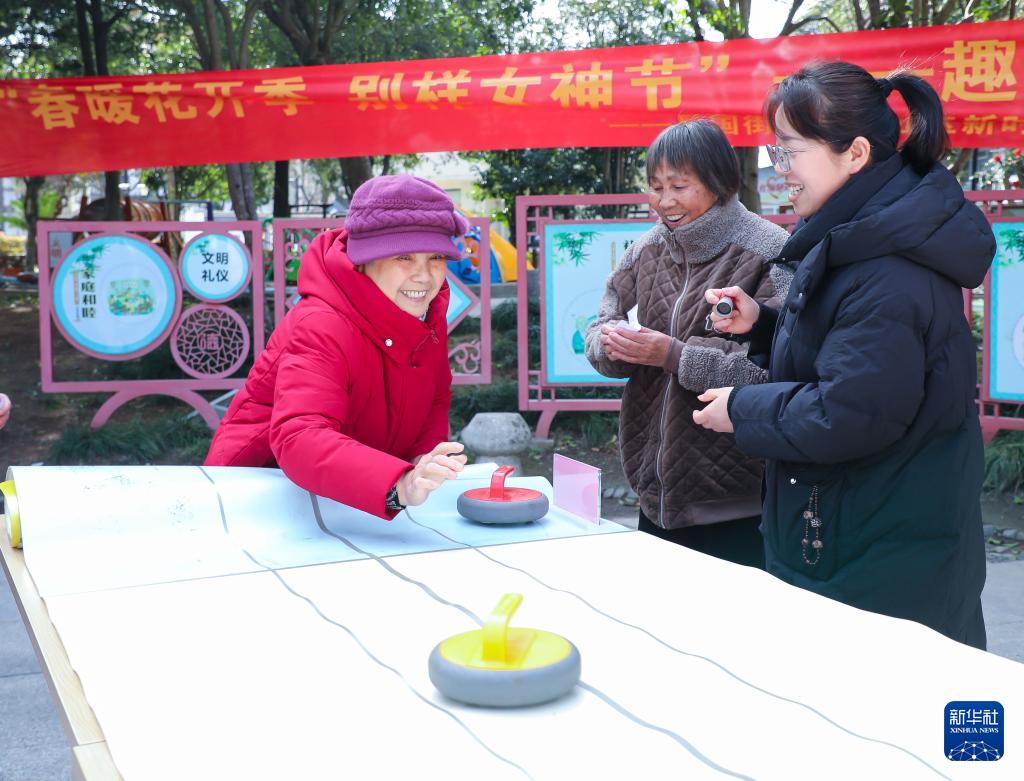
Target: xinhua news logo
(974, 731)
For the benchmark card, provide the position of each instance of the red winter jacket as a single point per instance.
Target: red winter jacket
(349, 391)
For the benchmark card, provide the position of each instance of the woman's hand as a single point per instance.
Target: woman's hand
(430, 471)
(445, 454)
(715, 415)
(745, 310)
(5, 409)
(646, 347)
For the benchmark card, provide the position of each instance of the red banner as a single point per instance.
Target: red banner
(595, 97)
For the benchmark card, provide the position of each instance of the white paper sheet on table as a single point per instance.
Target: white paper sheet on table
(91, 528)
(278, 683)
(199, 662)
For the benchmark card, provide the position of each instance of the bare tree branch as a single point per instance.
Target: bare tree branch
(310, 32)
(859, 15)
(203, 48)
(328, 31)
(875, 7)
(120, 13)
(942, 15)
(810, 19)
(309, 27)
(342, 12)
(229, 33)
(251, 8)
(787, 27)
(693, 8)
(280, 15)
(216, 61)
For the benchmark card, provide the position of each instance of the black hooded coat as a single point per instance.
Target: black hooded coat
(868, 420)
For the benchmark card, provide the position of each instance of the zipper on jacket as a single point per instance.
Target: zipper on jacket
(664, 401)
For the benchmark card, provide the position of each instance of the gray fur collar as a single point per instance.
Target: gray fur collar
(705, 238)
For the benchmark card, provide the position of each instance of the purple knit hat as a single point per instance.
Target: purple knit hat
(392, 215)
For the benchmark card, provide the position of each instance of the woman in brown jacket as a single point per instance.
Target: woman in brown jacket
(695, 487)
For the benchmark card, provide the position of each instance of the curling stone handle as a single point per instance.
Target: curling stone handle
(496, 626)
(498, 481)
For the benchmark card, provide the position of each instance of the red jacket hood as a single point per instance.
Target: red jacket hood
(327, 273)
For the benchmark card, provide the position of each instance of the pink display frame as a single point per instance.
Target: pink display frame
(456, 354)
(123, 391)
(535, 211)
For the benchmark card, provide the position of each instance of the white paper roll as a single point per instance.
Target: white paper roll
(12, 518)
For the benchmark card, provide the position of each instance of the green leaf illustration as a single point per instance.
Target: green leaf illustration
(571, 247)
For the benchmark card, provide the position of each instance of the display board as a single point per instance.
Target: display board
(577, 256)
(1006, 336)
(115, 296)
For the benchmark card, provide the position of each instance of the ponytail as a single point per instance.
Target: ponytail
(928, 141)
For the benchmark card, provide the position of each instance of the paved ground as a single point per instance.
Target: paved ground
(33, 746)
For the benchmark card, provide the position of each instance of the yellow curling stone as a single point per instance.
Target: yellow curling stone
(499, 666)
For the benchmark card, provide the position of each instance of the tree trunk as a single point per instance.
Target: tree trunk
(282, 208)
(84, 44)
(355, 171)
(958, 165)
(92, 41)
(173, 209)
(749, 195)
(112, 196)
(249, 190)
(241, 202)
(33, 186)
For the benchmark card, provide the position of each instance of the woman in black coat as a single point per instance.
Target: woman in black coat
(868, 421)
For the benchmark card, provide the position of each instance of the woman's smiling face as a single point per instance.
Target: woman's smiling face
(813, 171)
(678, 197)
(411, 280)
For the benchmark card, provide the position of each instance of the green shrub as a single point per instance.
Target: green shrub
(467, 400)
(134, 442)
(1004, 462)
(598, 429)
(504, 316)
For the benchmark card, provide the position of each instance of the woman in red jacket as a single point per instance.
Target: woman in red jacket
(350, 398)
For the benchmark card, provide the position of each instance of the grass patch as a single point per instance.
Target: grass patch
(167, 439)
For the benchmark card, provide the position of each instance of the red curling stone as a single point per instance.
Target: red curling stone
(499, 504)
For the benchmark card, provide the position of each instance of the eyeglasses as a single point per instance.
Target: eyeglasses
(779, 156)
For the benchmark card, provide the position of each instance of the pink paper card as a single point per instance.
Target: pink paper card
(577, 488)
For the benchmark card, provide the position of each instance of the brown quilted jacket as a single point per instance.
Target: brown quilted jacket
(684, 474)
